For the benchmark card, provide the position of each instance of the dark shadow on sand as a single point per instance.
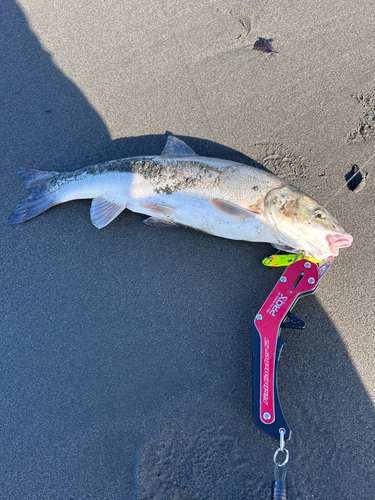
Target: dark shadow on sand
(127, 351)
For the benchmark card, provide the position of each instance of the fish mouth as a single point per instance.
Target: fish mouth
(337, 241)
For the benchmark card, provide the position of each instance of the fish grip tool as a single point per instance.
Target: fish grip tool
(299, 279)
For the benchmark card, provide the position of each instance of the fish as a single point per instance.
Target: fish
(219, 197)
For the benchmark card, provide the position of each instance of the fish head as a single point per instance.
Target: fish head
(301, 223)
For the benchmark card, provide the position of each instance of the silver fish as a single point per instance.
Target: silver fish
(216, 196)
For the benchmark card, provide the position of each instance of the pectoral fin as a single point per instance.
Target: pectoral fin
(232, 210)
(103, 211)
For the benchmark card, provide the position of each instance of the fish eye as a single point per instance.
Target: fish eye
(320, 214)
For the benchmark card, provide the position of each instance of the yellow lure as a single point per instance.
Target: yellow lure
(286, 259)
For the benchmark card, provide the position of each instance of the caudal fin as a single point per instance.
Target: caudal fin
(39, 200)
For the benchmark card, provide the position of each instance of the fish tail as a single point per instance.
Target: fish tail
(39, 200)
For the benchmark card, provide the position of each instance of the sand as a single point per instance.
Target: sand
(126, 352)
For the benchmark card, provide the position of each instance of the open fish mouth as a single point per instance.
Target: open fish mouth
(337, 241)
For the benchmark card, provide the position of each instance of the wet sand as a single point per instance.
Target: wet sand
(127, 352)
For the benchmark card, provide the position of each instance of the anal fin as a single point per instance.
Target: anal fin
(103, 211)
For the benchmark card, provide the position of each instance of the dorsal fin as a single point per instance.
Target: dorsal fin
(176, 147)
